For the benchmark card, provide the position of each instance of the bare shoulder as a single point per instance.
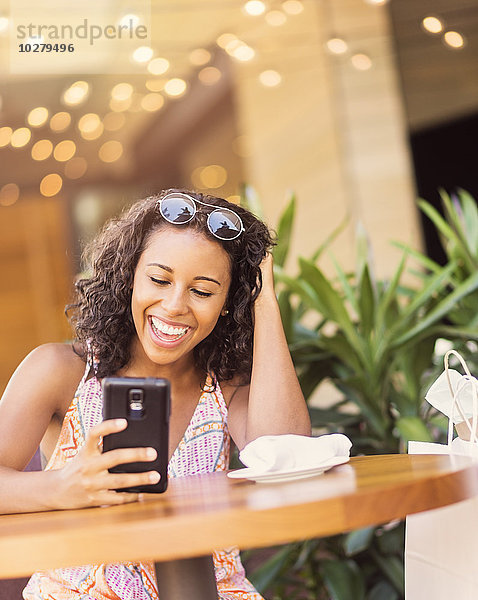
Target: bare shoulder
(58, 352)
(40, 391)
(55, 365)
(61, 357)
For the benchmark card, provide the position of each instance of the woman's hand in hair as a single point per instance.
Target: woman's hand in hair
(273, 404)
(85, 480)
(267, 271)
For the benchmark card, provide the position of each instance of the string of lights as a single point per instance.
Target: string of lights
(165, 81)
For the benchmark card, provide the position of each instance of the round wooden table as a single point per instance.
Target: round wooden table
(179, 529)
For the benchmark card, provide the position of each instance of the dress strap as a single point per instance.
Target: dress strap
(214, 389)
(91, 358)
(210, 383)
(85, 375)
(90, 363)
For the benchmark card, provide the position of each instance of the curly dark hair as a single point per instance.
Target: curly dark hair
(101, 314)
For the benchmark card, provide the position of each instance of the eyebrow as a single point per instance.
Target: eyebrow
(169, 270)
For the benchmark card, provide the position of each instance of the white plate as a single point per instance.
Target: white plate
(289, 475)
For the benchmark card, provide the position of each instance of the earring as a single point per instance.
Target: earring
(224, 312)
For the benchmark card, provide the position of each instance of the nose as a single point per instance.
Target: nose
(175, 301)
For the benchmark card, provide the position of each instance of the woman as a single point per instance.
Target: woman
(181, 287)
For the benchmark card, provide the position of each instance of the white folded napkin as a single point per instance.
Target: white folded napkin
(440, 397)
(271, 453)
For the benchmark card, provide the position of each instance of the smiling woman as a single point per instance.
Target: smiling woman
(185, 300)
(180, 287)
(103, 316)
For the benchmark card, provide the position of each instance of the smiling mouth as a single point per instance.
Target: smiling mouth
(168, 332)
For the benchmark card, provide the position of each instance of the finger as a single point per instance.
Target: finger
(123, 456)
(104, 428)
(116, 481)
(110, 497)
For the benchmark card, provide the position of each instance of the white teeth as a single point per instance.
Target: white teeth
(167, 329)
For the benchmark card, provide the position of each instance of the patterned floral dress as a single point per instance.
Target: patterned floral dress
(203, 449)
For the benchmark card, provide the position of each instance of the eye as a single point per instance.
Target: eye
(201, 293)
(159, 281)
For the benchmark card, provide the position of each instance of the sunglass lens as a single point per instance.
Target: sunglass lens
(177, 209)
(225, 224)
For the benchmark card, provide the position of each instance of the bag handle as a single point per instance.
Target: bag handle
(468, 380)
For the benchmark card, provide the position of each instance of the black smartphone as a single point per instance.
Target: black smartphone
(146, 404)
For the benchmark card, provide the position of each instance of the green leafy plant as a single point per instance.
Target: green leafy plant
(458, 232)
(374, 340)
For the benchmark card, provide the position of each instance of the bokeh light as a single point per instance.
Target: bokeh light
(270, 78)
(110, 151)
(76, 167)
(64, 150)
(209, 75)
(454, 39)
(158, 66)
(254, 8)
(51, 184)
(155, 85)
(9, 194)
(38, 116)
(152, 102)
(5, 136)
(20, 137)
(76, 94)
(122, 91)
(4, 24)
(175, 87)
(90, 126)
(42, 149)
(89, 122)
(130, 20)
(293, 7)
(199, 57)
(225, 39)
(240, 50)
(211, 176)
(275, 18)
(143, 54)
(336, 46)
(60, 121)
(432, 24)
(361, 62)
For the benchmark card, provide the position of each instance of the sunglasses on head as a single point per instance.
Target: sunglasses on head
(179, 208)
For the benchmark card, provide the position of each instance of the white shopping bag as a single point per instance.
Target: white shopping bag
(441, 545)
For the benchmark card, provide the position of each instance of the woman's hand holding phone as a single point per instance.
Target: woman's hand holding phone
(85, 480)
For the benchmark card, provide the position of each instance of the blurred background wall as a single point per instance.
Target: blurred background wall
(356, 106)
